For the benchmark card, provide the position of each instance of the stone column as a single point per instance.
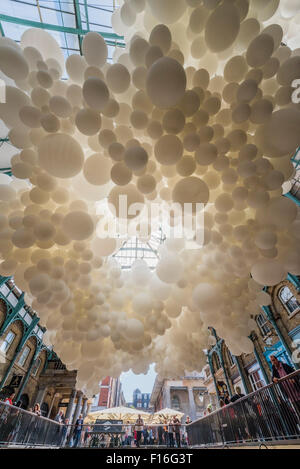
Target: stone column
(192, 405)
(243, 375)
(88, 407)
(77, 408)
(84, 407)
(168, 397)
(40, 395)
(70, 404)
(51, 405)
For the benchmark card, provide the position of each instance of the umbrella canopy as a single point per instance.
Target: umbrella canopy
(165, 414)
(118, 413)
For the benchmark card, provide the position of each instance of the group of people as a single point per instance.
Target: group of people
(271, 413)
(169, 433)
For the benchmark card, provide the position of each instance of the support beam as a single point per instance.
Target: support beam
(10, 317)
(293, 198)
(294, 280)
(86, 15)
(78, 22)
(61, 29)
(242, 374)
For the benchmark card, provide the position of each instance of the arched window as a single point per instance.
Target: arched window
(175, 402)
(288, 300)
(262, 324)
(216, 362)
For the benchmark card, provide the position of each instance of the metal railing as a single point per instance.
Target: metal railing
(23, 428)
(271, 413)
(19, 427)
(122, 435)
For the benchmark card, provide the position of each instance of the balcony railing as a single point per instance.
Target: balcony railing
(270, 414)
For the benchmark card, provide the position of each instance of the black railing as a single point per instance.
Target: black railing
(19, 427)
(271, 413)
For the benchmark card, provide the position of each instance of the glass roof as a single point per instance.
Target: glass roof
(133, 249)
(67, 21)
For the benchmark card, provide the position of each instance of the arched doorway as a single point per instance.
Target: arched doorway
(23, 401)
(44, 409)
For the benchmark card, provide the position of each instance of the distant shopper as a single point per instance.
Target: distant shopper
(10, 398)
(128, 434)
(160, 432)
(290, 387)
(146, 436)
(77, 431)
(151, 436)
(37, 409)
(177, 425)
(238, 395)
(139, 425)
(59, 417)
(170, 434)
(64, 432)
(86, 435)
(186, 437)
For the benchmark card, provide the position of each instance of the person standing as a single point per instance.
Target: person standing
(77, 431)
(37, 409)
(59, 417)
(237, 395)
(177, 425)
(128, 433)
(10, 399)
(290, 387)
(145, 435)
(160, 432)
(170, 434)
(64, 432)
(187, 421)
(139, 424)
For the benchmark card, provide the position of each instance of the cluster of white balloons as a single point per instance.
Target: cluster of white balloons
(198, 107)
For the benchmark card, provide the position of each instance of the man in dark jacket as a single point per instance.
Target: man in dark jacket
(238, 394)
(290, 387)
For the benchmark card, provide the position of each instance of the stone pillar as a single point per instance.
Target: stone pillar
(70, 404)
(77, 408)
(259, 361)
(84, 407)
(227, 379)
(193, 413)
(214, 378)
(40, 395)
(52, 402)
(243, 375)
(167, 397)
(88, 407)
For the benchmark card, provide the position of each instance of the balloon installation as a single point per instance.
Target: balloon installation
(196, 108)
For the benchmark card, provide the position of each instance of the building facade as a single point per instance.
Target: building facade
(140, 400)
(188, 395)
(110, 394)
(28, 367)
(277, 333)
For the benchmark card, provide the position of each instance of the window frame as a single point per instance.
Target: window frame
(7, 342)
(176, 399)
(254, 382)
(263, 325)
(36, 367)
(285, 303)
(26, 347)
